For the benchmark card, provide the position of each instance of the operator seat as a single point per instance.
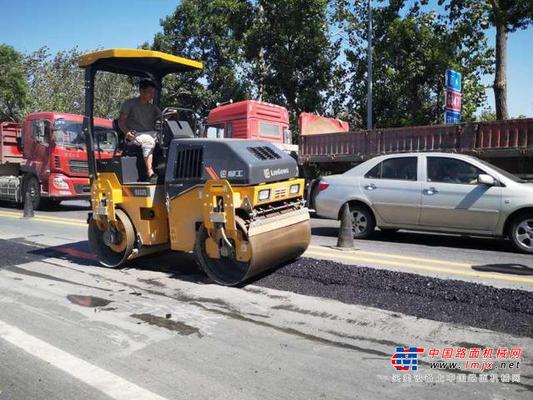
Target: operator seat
(131, 154)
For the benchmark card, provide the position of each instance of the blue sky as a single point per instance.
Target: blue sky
(88, 24)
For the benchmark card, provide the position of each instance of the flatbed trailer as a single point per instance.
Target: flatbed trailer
(507, 144)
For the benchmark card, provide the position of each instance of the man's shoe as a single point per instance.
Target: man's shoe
(153, 179)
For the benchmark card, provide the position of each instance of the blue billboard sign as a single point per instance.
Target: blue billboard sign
(453, 80)
(452, 110)
(452, 117)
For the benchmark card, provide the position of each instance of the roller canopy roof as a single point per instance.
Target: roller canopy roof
(143, 63)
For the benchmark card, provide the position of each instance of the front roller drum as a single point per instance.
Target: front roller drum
(112, 248)
(269, 250)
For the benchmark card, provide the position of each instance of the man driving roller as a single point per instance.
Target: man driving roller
(137, 119)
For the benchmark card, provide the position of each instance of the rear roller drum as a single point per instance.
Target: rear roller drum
(268, 251)
(112, 246)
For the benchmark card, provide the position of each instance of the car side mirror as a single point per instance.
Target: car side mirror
(485, 179)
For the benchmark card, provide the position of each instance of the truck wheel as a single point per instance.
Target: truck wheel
(363, 222)
(49, 204)
(34, 188)
(521, 232)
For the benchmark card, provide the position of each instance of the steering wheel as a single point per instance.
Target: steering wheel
(168, 111)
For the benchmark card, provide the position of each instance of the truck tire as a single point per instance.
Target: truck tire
(49, 204)
(32, 185)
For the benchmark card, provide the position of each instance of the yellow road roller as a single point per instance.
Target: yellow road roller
(236, 204)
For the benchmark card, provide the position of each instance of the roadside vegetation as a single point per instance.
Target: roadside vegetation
(304, 55)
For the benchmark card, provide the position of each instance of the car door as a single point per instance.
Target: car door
(452, 197)
(36, 146)
(394, 191)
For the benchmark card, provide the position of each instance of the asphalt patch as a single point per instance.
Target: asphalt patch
(14, 253)
(445, 300)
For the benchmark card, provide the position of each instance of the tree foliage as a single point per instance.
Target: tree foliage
(411, 53)
(277, 50)
(210, 31)
(13, 86)
(307, 55)
(56, 84)
(291, 56)
(505, 16)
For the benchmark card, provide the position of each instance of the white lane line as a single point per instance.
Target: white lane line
(110, 384)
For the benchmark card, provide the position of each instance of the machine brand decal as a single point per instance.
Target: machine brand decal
(269, 173)
(231, 173)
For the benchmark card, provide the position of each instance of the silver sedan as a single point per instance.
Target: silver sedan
(431, 191)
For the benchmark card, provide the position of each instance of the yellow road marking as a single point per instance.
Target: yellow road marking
(419, 267)
(399, 257)
(324, 252)
(63, 221)
(18, 214)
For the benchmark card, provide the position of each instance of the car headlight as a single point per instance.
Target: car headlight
(294, 189)
(59, 183)
(263, 195)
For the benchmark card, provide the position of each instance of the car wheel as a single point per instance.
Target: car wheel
(363, 223)
(521, 233)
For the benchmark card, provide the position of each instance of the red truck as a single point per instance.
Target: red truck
(46, 156)
(507, 144)
(327, 145)
(250, 119)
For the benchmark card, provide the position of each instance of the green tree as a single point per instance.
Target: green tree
(211, 31)
(505, 16)
(56, 84)
(412, 48)
(276, 50)
(13, 86)
(291, 56)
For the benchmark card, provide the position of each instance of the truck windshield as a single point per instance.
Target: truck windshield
(70, 135)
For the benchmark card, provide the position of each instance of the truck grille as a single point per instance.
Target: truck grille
(77, 166)
(264, 153)
(82, 189)
(189, 163)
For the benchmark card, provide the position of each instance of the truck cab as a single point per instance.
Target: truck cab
(51, 158)
(249, 119)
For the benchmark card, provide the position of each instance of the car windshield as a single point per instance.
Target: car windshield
(69, 134)
(508, 175)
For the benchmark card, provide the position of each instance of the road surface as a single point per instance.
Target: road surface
(324, 327)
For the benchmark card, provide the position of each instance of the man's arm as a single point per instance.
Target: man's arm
(122, 121)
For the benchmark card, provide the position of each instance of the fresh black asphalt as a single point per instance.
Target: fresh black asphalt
(451, 301)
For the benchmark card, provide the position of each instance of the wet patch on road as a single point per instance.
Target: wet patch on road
(450, 301)
(88, 301)
(176, 326)
(22, 271)
(151, 282)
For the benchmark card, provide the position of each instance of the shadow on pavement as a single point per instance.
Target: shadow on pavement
(430, 239)
(514, 269)
(177, 264)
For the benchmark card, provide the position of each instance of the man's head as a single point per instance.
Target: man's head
(147, 89)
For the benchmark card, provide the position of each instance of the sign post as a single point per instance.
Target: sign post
(452, 111)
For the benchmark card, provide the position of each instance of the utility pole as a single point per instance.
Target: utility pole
(369, 73)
